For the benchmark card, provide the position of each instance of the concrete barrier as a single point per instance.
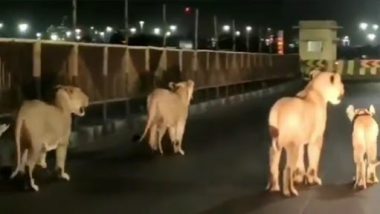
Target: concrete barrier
(96, 137)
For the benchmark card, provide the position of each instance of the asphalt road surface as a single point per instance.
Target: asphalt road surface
(225, 170)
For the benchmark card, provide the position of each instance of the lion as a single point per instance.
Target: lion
(42, 127)
(168, 110)
(298, 121)
(364, 142)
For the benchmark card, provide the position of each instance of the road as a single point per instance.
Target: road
(224, 170)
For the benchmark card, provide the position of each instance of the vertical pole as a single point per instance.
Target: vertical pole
(233, 36)
(216, 32)
(164, 24)
(126, 25)
(247, 40)
(105, 74)
(74, 15)
(73, 65)
(73, 73)
(260, 42)
(196, 29)
(37, 68)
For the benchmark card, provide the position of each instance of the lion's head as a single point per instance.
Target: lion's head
(328, 84)
(73, 98)
(352, 112)
(185, 88)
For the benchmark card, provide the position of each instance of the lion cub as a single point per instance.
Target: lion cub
(364, 141)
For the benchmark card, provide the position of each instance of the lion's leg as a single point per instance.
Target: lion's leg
(360, 166)
(33, 156)
(161, 131)
(173, 139)
(24, 159)
(291, 162)
(371, 156)
(179, 132)
(42, 161)
(153, 137)
(274, 161)
(61, 153)
(299, 173)
(314, 153)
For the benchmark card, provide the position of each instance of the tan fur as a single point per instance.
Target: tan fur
(168, 109)
(41, 127)
(364, 142)
(298, 121)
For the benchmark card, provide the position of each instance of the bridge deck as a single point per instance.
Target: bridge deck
(224, 171)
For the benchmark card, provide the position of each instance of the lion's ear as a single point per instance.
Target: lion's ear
(372, 109)
(350, 111)
(171, 85)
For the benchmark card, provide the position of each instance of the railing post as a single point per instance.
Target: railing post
(73, 73)
(125, 66)
(37, 68)
(105, 79)
(73, 65)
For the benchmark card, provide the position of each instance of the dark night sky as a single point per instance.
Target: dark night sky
(277, 13)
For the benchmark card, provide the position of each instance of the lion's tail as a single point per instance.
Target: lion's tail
(19, 123)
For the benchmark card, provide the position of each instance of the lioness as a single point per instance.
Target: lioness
(168, 109)
(41, 127)
(297, 121)
(364, 142)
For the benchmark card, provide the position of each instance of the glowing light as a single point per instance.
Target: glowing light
(173, 28)
(109, 29)
(54, 37)
(133, 30)
(363, 26)
(23, 27)
(371, 36)
(248, 28)
(226, 28)
(156, 31)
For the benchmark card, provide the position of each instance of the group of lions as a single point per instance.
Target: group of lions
(41, 127)
(296, 122)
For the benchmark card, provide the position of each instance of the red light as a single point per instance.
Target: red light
(188, 10)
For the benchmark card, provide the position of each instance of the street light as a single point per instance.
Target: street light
(68, 33)
(54, 37)
(141, 23)
(23, 27)
(101, 34)
(173, 28)
(77, 31)
(1, 25)
(363, 26)
(371, 36)
(168, 33)
(38, 35)
(248, 30)
(133, 30)
(157, 31)
(226, 28)
(108, 29)
(375, 26)
(237, 33)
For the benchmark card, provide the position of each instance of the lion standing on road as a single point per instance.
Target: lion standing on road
(297, 121)
(168, 109)
(41, 127)
(364, 141)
